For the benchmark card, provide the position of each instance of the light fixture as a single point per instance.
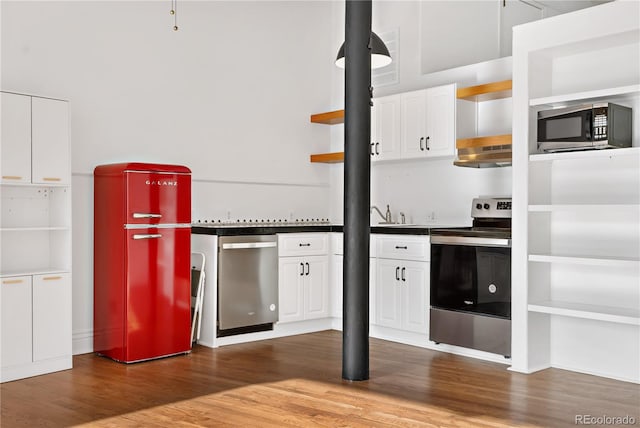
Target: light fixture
(379, 53)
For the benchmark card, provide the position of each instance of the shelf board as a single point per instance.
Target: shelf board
(585, 154)
(593, 312)
(39, 271)
(31, 229)
(335, 157)
(596, 95)
(485, 92)
(488, 141)
(585, 260)
(582, 207)
(328, 118)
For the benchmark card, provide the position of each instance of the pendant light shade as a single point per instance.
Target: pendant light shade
(379, 53)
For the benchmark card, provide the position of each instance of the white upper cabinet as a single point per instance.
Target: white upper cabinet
(16, 138)
(35, 140)
(414, 124)
(50, 141)
(441, 121)
(428, 122)
(386, 144)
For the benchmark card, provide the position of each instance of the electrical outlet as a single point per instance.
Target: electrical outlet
(431, 216)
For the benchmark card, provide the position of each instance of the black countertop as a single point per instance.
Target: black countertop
(214, 229)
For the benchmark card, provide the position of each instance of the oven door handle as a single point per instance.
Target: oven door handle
(246, 245)
(471, 241)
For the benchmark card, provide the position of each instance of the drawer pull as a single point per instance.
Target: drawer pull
(401, 247)
(12, 281)
(11, 177)
(51, 278)
(304, 245)
(52, 179)
(147, 236)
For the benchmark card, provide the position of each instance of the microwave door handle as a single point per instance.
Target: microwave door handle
(588, 125)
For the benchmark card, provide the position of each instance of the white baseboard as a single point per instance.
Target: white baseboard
(82, 342)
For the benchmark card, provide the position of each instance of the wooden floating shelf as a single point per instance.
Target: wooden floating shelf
(335, 157)
(328, 118)
(492, 140)
(486, 92)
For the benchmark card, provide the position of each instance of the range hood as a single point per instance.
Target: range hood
(484, 152)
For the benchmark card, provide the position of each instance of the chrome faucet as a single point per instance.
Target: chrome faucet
(386, 217)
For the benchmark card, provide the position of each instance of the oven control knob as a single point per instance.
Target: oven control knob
(487, 206)
(492, 288)
(479, 206)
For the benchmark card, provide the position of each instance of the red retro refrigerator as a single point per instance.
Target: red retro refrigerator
(142, 246)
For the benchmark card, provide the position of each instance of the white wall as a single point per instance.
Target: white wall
(228, 95)
(423, 188)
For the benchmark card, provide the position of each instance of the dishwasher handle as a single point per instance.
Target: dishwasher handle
(245, 245)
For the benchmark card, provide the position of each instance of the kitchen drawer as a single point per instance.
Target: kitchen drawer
(403, 247)
(337, 244)
(303, 244)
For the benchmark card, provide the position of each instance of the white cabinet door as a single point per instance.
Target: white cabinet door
(316, 287)
(290, 289)
(374, 129)
(441, 113)
(50, 141)
(16, 320)
(415, 283)
(388, 294)
(51, 316)
(16, 138)
(387, 143)
(414, 118)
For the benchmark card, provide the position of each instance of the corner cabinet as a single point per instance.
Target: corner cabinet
(35, 229)
(576, 215)
(411, 125)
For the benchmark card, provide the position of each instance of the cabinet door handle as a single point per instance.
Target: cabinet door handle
(147, 236)
(51, 179)
(301, 269)
(307, 268)
(404, 269)
(401, 247)
(51, 278)
(397, 273)
(371, 149)
(304, 244)
(377, 145)
(428, 143)
(11, 177)
(421, 140)
(12, 281)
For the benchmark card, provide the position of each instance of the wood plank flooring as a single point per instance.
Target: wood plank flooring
(296, 382)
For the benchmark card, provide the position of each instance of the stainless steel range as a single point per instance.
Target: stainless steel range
(471, 280)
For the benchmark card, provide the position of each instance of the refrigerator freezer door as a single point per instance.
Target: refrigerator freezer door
(158, 292)
(157, 198)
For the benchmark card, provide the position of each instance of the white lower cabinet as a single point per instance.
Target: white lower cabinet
(36, 325)
(51, 316)
(303, 280)
(16, 320)
(336, 300)
(402, 282)
(402, 288)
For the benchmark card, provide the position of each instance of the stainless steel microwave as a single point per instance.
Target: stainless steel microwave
(583, 127)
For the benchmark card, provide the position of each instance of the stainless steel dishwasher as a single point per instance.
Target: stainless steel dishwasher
(247, 283)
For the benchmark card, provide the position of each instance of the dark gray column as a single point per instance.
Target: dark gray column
(357, 168)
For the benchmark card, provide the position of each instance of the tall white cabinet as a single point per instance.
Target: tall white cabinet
(35, 232)
(576, 215)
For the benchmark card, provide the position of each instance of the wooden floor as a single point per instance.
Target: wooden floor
(296, 382)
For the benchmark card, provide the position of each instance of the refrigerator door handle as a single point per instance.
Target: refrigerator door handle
(147, 236)
(146, 215)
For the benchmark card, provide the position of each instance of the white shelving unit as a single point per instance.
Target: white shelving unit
(576, 215)
(35, 233)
